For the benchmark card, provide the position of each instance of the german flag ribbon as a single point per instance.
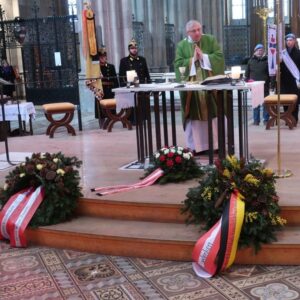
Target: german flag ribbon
(147, 181)
(215, 251)
(17, 213)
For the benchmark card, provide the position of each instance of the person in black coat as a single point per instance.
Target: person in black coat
(290, 84)
(7, 73)
(257, 69)
(134, 62)
(137, 63)
(109, 80)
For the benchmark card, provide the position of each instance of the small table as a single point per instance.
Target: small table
(24, 110)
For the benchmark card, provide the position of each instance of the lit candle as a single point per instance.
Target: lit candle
(235, 72)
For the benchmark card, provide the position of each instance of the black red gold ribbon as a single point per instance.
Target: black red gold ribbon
(215, 251)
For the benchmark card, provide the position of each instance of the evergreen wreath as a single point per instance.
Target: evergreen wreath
(178, 164)
(205, 203)
(59, 176)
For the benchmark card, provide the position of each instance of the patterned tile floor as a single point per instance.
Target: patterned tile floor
(44, 273)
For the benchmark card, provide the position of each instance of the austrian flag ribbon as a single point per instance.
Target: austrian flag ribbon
(215, 251)
(147, 181)
(17, 213)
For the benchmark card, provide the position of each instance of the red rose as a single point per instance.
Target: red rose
(170, 154)
(178, 159)
(170, 163)
(162, 158)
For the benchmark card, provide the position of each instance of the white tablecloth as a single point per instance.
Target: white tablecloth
(11, 111)
(125, 96)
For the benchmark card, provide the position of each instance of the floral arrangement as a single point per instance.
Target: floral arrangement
(60, 178)
(178, 164)
(204, 204)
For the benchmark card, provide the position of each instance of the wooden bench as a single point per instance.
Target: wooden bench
(109, 106)
(64, 108)
(288, 100)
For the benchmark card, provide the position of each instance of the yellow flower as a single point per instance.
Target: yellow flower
(39, 166)
(22, 175)
(60, 172)
(226, 173)
(251, 216)
(268, 172)
(251, 179)
(55, 160)
(233, 161)
(206, 194)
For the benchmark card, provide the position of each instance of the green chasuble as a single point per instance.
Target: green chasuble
(184, 55)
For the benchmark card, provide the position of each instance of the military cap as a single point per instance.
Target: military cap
(132, 43)
(102, 51)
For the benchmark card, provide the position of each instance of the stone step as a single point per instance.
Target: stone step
(154, 240)
(155, 212)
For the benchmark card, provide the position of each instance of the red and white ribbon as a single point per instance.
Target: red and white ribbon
(17, 213)
(147, 181)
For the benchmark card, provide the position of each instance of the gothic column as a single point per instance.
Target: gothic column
(156, 25)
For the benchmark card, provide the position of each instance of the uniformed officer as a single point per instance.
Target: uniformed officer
(134, 62)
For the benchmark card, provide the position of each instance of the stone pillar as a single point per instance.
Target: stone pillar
(157, 37)
(115, 20)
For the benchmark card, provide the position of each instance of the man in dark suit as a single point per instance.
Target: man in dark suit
(289, 67)
(109, 80)
(134, 62)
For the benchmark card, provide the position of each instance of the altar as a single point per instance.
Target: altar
(139, 97)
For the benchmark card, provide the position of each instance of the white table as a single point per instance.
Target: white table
(129, 97)
(27, 111)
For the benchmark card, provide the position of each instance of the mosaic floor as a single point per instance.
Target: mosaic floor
(43, 273)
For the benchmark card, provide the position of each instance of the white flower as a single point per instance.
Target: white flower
(157, 155)
(173, 150)
(186, 156)
(179, 152)
(166, 151)
(22, 175)
(5, 187)
(42, 155)
(39, 166)
(180, 148)
(55, 160)
(60, 172)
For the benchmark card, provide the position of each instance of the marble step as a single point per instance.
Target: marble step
(169, 241)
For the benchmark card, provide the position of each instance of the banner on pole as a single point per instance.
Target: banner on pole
(272, 52)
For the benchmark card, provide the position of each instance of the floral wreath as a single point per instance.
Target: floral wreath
(59, 176)
(205, 203)
(178, 164)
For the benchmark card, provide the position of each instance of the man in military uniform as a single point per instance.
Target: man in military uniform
(109, 81)
(137, 63)
(134, 62)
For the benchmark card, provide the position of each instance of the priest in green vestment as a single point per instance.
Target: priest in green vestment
(202, 57)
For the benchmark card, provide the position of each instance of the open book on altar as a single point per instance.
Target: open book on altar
(218, 79)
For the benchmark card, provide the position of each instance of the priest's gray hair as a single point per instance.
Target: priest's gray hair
(191, 23)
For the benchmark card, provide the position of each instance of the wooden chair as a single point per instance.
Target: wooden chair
(64, 108)
(288, 100)
(109, 106)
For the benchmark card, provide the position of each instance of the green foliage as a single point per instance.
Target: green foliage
(59, 176)
(205, 203)
(177, 163)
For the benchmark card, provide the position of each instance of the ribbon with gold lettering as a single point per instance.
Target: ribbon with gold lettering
(215, 251)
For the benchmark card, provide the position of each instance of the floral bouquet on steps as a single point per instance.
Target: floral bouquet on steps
(177, 163)
(205, 203)
(59, 179)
